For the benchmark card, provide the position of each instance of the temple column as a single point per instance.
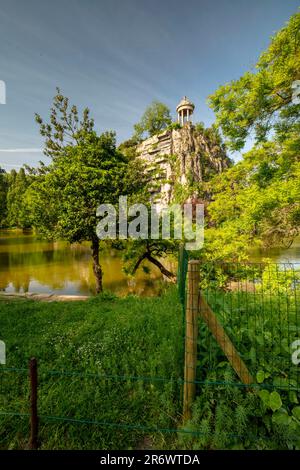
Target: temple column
(184, 109)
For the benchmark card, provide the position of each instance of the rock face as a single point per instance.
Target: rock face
(184, 155)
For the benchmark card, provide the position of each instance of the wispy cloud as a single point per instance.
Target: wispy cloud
(24, 150)
(3, 165)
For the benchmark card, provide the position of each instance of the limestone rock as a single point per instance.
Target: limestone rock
(195, 154)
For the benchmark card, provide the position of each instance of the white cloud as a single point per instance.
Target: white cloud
(7, 165)
(28, 150)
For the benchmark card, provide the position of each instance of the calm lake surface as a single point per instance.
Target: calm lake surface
(28, 264)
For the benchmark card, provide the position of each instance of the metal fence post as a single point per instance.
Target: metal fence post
(33, 376)
(191, 337)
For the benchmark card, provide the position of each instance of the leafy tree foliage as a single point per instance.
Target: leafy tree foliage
(154, 251)
(3, 195)
(65, 128)
(86, 170)
(18, 213)
(261, 101)
(155, 119)
(256, 202)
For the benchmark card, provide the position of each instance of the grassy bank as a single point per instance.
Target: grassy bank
(105, 336)
(102, 364)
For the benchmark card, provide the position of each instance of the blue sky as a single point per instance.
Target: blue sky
(116, 56)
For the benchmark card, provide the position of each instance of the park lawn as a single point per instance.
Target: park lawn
(125, 338)
(111, 369)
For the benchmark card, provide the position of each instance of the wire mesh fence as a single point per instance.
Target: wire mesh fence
(249, 318)
(242, 353)
(241, 333)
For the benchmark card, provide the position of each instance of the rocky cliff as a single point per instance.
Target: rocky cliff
(183, 155)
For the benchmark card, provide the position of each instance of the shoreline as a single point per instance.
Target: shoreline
(43, 297)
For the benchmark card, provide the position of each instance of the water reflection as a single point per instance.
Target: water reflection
(28, 264)
(279, 254)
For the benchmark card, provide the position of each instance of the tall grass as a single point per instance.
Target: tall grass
(106, 336)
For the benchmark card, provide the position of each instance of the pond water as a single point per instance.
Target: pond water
(279, 255)
(28, 264)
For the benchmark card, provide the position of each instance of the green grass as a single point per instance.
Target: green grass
(262, 326)
(121, 347)
(108, 336)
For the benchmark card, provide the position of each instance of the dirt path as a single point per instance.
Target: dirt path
(43, 297)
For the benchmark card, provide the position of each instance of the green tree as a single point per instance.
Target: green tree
(86, 170)
(155, 119)
(262, 100)
(256, 202)
(153, 251)
(3, 197)
(66, 128)
(17, 207)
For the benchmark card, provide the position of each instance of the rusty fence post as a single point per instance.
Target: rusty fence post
(191, 337)
(34, 423)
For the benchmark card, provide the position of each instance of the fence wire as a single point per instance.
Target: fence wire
(244, 332)
(249, 317)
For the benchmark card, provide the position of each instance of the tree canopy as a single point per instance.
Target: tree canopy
(156, 118)
(256, 202)
(86, 171)
(18, 214)
(3, 195)
(262, 101)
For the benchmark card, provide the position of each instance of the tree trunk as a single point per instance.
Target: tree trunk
(96, 265)
(162, 269)
(157, 263)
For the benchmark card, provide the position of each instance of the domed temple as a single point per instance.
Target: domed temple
(194, 153)
(184, 110)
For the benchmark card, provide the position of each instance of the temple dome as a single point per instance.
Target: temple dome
(185, 103)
